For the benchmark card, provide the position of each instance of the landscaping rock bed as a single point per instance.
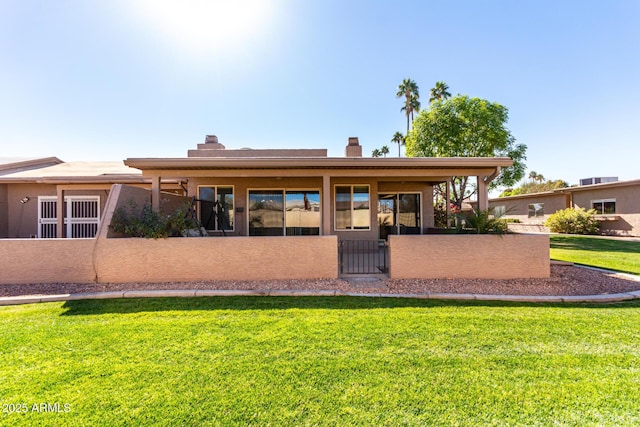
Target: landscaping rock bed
(565, 280)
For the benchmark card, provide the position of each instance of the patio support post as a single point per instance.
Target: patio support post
(326, 205)
(60, 213)
(155, 193)
(483, 194)
(447, 203)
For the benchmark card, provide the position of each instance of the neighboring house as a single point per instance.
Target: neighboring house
(617, 204)
(303, 192)
(48, 198)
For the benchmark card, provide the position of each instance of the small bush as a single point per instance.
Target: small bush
(573, 221)
(481, 222)
(150, 224)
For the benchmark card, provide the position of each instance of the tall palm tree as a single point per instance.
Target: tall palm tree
(398, 138)
(376, 153)
(384, 150)
(409, 89)
(439, 91)
(414, 106)
(533, 175)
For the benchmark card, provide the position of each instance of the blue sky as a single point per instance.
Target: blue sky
(87, 80)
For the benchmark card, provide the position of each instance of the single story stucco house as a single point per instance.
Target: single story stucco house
(267, 214)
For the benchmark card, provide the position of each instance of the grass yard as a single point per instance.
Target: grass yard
(319, 361)
(613, 254)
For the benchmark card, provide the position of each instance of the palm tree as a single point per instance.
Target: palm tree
(533, 175)
(540, 178)
(414, 106)
(409, 89)
(384, 150)
(439, 91)
(398, 138)
(376, 153)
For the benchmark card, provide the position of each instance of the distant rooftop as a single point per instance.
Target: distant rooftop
(73, 171)
(598, 180)
(213, 148)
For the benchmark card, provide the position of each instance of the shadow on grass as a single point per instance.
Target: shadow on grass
(138, 305)
(594, 244)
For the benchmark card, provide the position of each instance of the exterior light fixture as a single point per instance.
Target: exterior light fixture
(24, 200)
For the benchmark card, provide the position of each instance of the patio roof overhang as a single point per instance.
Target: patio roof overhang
(418, 167)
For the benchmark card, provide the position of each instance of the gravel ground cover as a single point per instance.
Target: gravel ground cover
(564, 280)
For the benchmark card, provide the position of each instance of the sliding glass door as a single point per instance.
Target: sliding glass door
(398, 213)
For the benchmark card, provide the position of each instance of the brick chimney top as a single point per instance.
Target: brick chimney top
(353, 148)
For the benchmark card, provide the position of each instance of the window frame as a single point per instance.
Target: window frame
(397, 212)
(603, 201)
(535, 211)
(284, 191)
(351, 210)
(232, 214)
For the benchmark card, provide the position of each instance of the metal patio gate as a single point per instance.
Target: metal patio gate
(363, 256)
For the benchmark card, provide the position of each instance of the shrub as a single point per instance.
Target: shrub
(150, 224)
(573, 221)
(481, 222)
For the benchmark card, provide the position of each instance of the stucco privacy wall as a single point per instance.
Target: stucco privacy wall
(167, 260)
(469, 256)
(213, 258)
(46, 261)
(216, 258)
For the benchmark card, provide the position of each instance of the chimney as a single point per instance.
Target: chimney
(353, 148)
(212, 143)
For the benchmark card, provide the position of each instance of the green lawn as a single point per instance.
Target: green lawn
(320, 361)
(613, 254)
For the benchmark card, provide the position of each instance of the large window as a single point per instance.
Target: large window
(398, 214)
(604, 207)
(216, 208)
(352, 207)
(280, 212)
(536, 209)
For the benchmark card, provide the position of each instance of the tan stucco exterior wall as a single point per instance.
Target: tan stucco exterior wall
(627, 217)
(46, 261)
(519, 207)
(626, 220)
(469, 256)
(241, 187)
(4, 212)
(22, 218)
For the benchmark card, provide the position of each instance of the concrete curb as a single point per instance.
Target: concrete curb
(190, 293)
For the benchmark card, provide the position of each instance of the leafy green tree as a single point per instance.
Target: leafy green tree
(439, 91)
(409, 89)
(535, 187)
(467, 127)
(384, 150)
(376, 153)
(398, 138)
